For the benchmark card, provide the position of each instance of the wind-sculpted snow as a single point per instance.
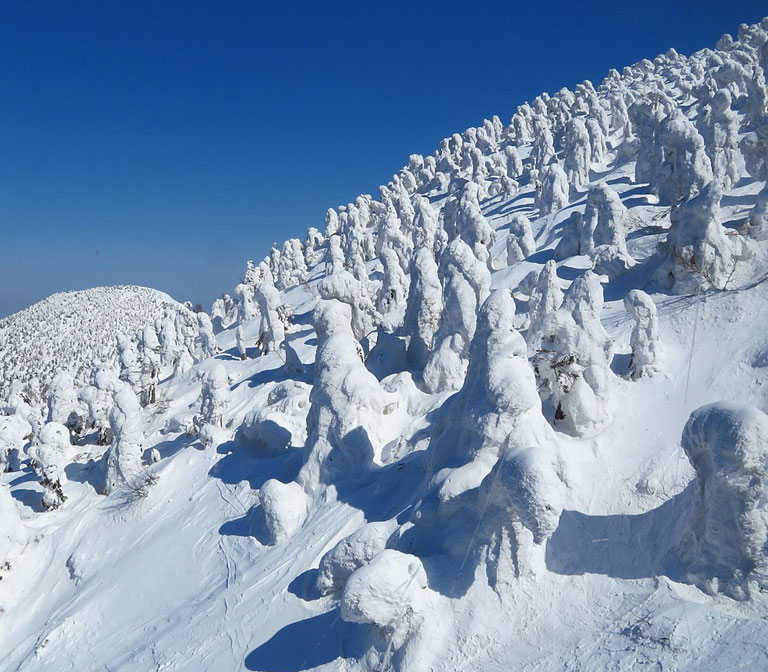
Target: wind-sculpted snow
(73, 331)
(441, 431)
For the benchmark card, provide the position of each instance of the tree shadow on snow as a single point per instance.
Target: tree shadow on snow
(315, 641)
(31, 498)
(622, 546)
(278, 375)
(241, 463)
(304, 586)
(252, 524)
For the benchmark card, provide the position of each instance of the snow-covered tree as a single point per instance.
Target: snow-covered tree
(578, 153)
(514, 163)
(240, 337)
(554, 190)
(699, 254)
(757, 223)
(520, 241)
(62, 399)
(720, 129)
(246, 307)
(724, 548)
(335, 256)
(214, 396)
(130, 366)
(604, 231)
(49, 458)
(686, 168)
(209, 346)
(644, 340)
(572, 359)
(596, 141)
(347, 403)
(393, 292)
(272, 329)
(346, 288)
(545, 297)
(466, 282)
(424, 307)
(122, 461)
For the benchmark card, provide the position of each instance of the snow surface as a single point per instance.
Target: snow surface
(320, 504)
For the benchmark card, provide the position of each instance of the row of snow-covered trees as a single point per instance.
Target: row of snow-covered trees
(407, 284)
(107, 409)
(404, 283)
(76, 331)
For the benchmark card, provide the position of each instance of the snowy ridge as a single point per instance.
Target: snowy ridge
(74, 330)
(510, 415)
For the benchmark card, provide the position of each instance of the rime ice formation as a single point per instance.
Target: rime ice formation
(441, 430)
(644, 340)
(725, 546)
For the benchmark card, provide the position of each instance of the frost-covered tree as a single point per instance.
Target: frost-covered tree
(214, 396)
(720, 129)
(698, 253)
(209, 346)
(492, 454)
(168, 343)
(393, 292)
(312, 245)
(150, 365)
(545, 297)
(520, 241)
(130, 365)
(513, 161)
(272, 329)
(686, 168)
(572, 360)
(49, 458)
(425, 225)
(596, 141)
(122, 462)
(757, 223)
(578, 153)
(554, 190)
(543, 150)
(604, 231)
(725, 546)
(646, 117)
(424, 307)
(335, 256)
(347, 404)
(15, 432)
(392, 235)
(240, 338)
(346, 288)
(246, 307)
(644, 340)
(466, 282)
(62, 399)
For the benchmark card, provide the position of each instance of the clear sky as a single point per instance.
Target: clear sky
(164, 143)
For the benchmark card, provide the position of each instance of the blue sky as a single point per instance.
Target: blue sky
(165, 143)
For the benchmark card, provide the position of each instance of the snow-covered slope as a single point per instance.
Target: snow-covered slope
(510, 415)
(73, 330)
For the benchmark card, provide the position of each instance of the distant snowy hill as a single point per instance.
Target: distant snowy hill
(510, 414)
(73, 330)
